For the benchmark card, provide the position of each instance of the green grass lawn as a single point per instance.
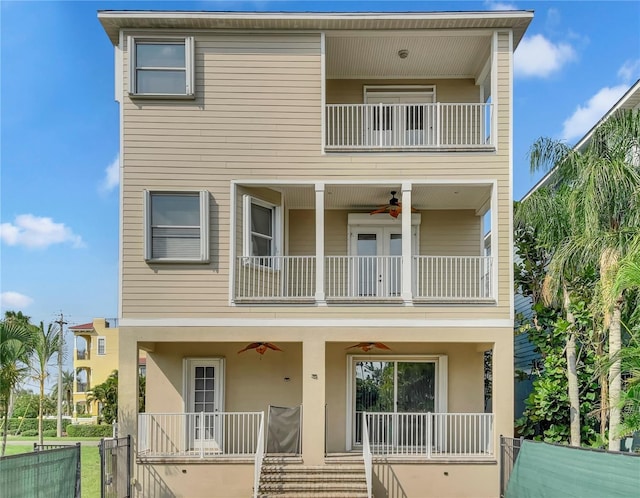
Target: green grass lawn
(89, 465)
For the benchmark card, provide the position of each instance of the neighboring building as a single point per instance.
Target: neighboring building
(254, 147)
(95, 357)
(527, 361)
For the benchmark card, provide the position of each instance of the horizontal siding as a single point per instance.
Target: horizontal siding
(257, 115)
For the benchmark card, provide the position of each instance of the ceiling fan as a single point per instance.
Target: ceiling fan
(393, 207)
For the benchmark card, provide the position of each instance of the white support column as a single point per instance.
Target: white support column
(407, 245)
(320, 296)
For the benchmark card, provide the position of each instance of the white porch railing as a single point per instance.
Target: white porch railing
(430, 435)
(453, 277)
(257, 462)
(199, 435)
(366, 455)
(363, 277)
(408, 126)
(275, 278)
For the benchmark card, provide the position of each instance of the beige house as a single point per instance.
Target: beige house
(254, 149)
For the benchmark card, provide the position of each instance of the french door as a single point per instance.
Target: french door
(377, 271)
(401, 118)
(205, 401)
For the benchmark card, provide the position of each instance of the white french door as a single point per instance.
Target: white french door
(401, 118)
(378, 268)
(204, 399)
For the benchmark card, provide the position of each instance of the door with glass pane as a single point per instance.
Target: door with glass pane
(376, 270)
(205, 404)
(401, 119)
(400, 393)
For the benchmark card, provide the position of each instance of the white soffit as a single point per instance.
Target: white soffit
(436, 55)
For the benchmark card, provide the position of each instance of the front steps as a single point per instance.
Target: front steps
(285, 477)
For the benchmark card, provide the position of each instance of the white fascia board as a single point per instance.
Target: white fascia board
(314, 322)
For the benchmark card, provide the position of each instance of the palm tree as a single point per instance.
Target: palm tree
(46, 345)
(15, 346)
(67, 390)
(546, 213)
(106, 395)
(604, 179)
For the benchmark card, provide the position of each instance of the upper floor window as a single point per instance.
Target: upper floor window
(261, 228)
(102, 345)
(176, 228)
(161, 67)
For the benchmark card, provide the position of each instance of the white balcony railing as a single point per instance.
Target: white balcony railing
(275, 278)
(430, 435)
(363, 278)
(453, 278)
(408, 126)
(199, 435)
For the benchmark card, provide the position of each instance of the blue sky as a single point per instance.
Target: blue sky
(59, 126)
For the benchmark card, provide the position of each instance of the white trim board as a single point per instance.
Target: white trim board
(315, 322)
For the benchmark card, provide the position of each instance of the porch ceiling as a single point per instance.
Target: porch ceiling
(364, 197)
(436, 54)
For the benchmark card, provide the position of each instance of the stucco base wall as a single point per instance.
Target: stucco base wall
(413, 480)
(193, 480)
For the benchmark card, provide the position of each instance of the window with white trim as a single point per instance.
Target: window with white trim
(161, 66)
(261, 228)
(102, 346)
(177, 226)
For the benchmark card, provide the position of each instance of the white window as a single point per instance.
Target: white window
(177, 226)
(161, 67)
(261, 228)
(102, 346)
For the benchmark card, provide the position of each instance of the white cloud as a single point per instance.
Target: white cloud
(630, 71)
(111, 176)
(538, 57)
(14, 300)
(499, 5)
(37, 232)
(584, 117)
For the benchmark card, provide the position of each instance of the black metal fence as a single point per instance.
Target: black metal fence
(115, 467)
(509, 449)
(51, 471)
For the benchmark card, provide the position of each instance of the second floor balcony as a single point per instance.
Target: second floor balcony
(329, 249)
(364, 278)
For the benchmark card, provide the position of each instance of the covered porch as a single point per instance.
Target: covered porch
(422, 401)
(353, 242)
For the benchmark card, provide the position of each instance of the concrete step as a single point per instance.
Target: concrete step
(312, 487)
(316, 494)
(303, 477)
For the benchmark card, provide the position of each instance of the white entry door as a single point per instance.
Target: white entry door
(377, 270)
(205, 402)
(401, 119)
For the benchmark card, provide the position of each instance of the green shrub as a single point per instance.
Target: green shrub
(50, 433)
(29, 433)
(30, 424)
(86, 430)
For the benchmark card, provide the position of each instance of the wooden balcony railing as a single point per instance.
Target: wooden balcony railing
(408, 126)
